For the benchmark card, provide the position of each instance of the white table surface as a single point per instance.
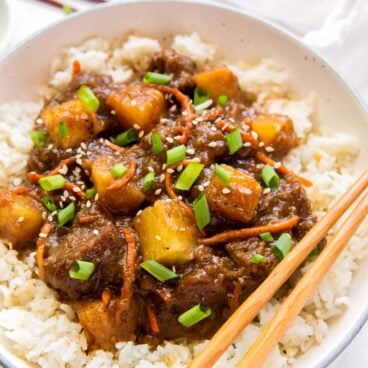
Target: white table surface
(28, 16)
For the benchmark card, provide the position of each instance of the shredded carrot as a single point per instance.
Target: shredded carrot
(234, 300)
(126, 292)
(33, 177)
(21, 190)
(45, 231)
(168, 187)
(85, 220)
(106, 296)
(282, 169)
(117, 184)
(76, 68)
(66, 162)
(152, 318)
(249, 232)
(245, 136)
(114, 147)
(73, 188)
(215, 113)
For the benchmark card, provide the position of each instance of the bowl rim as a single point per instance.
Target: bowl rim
(338, 74)
(4, 41)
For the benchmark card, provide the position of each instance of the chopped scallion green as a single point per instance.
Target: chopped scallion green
(189, 176)
(119, 170)
(156, 78)
(158, 271)
(127, 137)
(52, 182)
(90, 193)
(267, 237)
(234, 141)
(67, 9)
(157, 146)
(222, 100)
(282, 246)
(224, 175)
(200, 95)
(270, 177)
(66, 214)
(202, 211)
(63, 129)
(49, 203)
(89, 101)
(313, 253)
(38, 138)
(148, 181)
(175, 155)
(81, 270)
(257, 259)
(194, 315)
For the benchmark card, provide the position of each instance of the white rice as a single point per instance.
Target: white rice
(36, 326)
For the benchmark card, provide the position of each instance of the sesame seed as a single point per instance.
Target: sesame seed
(163, 166)
(247, 144)
(20, 219)
(79, 161)
(190, 151)
(88, 204)
(206, 184)
(201, 188)
(212, 144)
(39, 121)
(269, 149)
(44, 215)
(184, 113)
(136, 126)
(173, 108)
(254, 134)
(180, 197)
(170, 171)
(177, 137)
(158, 237)
(134, 102)
(277, 165)
(261, 144)
(266, 190)
(83, 146)
(69, 150)
(259, 166)
(63, 198)
(226, 190)
(139, 212)
(50, 218)
(214, 129)
(76, 189)
(182, 229)
(232, 120)
(113, 112)
(50, 146)
(196, 159)
(95, 231)
(179, 168)
(169, 139)
(42, 235)
(72, 198)
(17, 181)
(245, 127)
(158, 191)
(162, 177)
(141, 134)
(150, 169)
(61, 204)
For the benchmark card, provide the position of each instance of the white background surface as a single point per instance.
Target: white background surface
(338, 29)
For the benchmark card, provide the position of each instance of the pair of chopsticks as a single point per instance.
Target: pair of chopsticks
(61, 4)
(276, 328)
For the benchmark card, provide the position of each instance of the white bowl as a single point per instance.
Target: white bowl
(4, 24)
(237, 34)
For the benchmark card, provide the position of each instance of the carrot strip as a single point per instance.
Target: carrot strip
(249, 232)
(168, 187)
(33, 177)
(282, 169)
(106, 297)
(152, 318)
(114, 147)
(21, 190)
(76, 68)
(234, 300)
(71, 187)
(245, 136)
(45, 231)
(66, 162)
(85, 220)
(126, 292)
(117, 184)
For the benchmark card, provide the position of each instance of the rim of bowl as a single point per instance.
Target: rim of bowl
(354, 330)
(4, 41)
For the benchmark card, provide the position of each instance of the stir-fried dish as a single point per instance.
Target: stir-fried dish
(156, 206)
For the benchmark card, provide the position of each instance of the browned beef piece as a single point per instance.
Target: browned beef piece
(97, 242)
(181, 67)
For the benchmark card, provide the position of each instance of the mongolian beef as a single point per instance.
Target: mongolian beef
(156, 206)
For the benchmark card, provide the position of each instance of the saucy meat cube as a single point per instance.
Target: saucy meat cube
(137, 105)
(241, 200)
(122, 200)
(97, 242)
(166, 233)
(218, 81)
(81, 125)
(20, 218)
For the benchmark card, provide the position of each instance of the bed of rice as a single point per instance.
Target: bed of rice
(39, 328)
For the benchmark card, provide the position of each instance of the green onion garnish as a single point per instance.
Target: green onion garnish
(66, 214)
(49, 203)
(282, 246)
(267, 237)
(257, 259)
(89, 101)
(222, 174)
(127, 137)
(189, 176)
(119, 170)
(81, 270)
(90, 193)
(200, 95)
(159, 271)
(157, 146)
(194, 315)
(38, 138)
(270, 177)
(52, 182)
(156, 78)
(148, 181)
(222, 100)
(63, 129)
(234, 141)
(313, 253)
(201, 211)
(67, 9)
(175, 155)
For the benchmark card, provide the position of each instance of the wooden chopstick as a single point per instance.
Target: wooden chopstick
(291, 307)
(281, 273)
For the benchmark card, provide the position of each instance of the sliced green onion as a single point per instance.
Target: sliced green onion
(38, 138)
(313, 253)
(282, 246)
(49, 203)
(66, 214)
(189, 176)
(200, 95)
(222, 100)
(88, 99)
(156, 78)
(148, 181)
(90, 193)
(119, 170)
(270, 177)
(257, 259)
(52, 182)
(201, 211)
(267, 237)
(234, 141)
(194, 315)
(158, 271)
(203, 106)
(222, 174)
(175, 155)
(67, 9)
(63, 129)
(157, 146)
(81, 270)
(127, 137)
